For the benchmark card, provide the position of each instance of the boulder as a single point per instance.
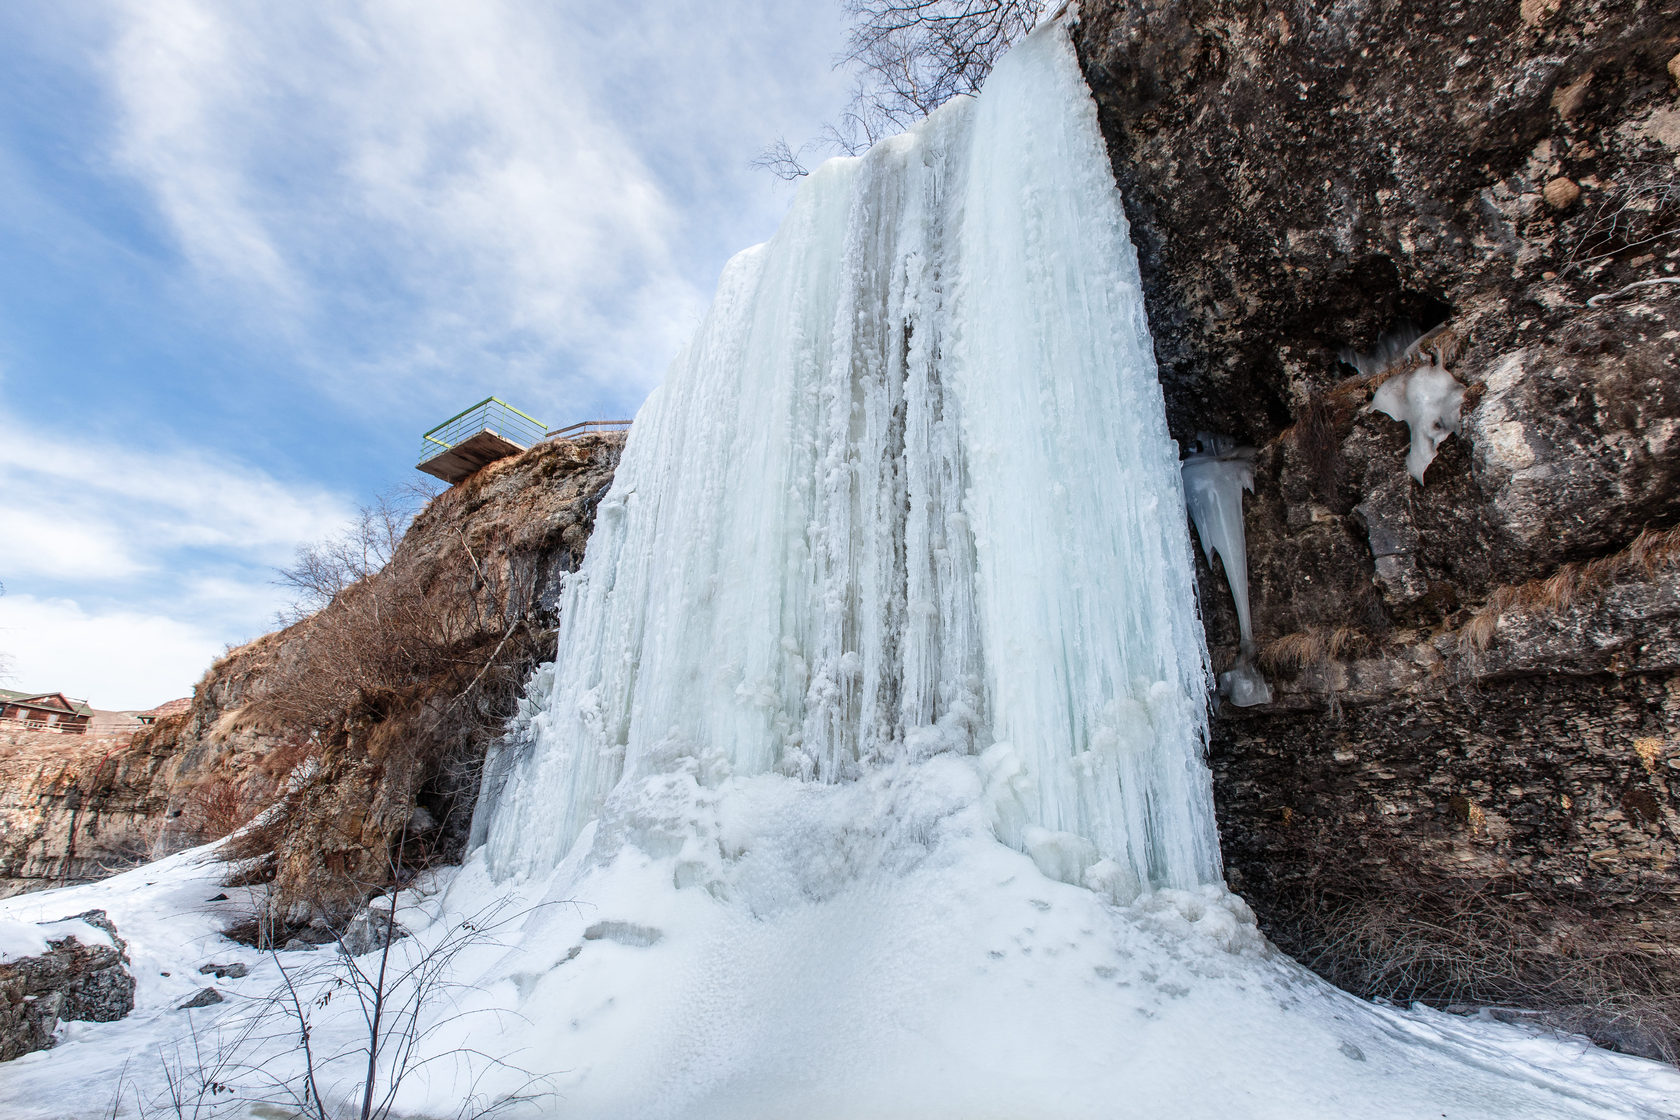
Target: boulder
(81, 974)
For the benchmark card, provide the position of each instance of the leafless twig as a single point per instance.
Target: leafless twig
(909, 58)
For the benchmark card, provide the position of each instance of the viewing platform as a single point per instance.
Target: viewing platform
(490, 430)
(476, 437)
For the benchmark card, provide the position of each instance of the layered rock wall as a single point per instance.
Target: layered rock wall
(76, 807)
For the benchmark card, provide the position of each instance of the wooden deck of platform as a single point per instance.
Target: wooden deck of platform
(469, 456)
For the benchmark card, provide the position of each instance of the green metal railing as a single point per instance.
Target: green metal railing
(490, 414)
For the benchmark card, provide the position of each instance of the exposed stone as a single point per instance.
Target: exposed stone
(1561, 193)
(625, 933)
(72, 980)
(371, 930)
(74, 808)
(204, 997)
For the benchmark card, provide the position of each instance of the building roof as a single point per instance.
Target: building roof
(171, 708)
(52, 701)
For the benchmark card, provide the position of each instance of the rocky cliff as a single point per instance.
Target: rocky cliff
(1465, 787)
(356, 733)
(75, 808)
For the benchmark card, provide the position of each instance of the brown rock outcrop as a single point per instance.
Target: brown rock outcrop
(71, 980)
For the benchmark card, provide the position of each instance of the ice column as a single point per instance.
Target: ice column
(1214, 481)
(909, 490)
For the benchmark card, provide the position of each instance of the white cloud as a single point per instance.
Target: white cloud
(117, 659)
(174, 64)
(44, 541)
(127, 570)
(77, 509)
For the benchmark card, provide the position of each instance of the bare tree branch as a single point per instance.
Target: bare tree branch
(326, 569)
(910, 57)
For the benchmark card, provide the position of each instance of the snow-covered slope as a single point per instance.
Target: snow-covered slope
(864, 950)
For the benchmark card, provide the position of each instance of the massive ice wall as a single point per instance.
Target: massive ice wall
(909, 490)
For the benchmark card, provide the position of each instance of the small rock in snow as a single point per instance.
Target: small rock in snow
(368, 931)
(625, 933)
(204, 997)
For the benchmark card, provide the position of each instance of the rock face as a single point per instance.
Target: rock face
(73, 979)
(75, 808)
(1465, 788)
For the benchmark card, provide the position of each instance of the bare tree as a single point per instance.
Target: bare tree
(324, 570)
(782, 161)
(1641, 209)
(910, 57)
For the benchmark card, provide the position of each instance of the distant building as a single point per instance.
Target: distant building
(173, 708)
(45, 711)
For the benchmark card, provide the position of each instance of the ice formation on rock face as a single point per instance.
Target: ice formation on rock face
(908, 491)
(1394, 346)
(1214, 481)
(1429, 400)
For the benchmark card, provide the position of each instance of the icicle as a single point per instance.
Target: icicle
(1394, 346)
(1214, 481)
(1429, 400)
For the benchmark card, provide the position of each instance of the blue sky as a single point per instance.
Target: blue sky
(249, 251)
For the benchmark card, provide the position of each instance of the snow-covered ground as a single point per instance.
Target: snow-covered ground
(766, 947)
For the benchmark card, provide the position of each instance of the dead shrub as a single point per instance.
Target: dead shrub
(216, 808)
(1654, 550)
(256, 842)
(396, 685)
(1316, 435)
(1368, 921)
(1314, 648)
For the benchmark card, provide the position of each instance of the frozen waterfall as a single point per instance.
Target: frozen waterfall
(908, 491)
(895, 567)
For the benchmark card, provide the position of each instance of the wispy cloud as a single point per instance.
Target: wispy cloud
(440, 171)
(126, 569)
(92, 511)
